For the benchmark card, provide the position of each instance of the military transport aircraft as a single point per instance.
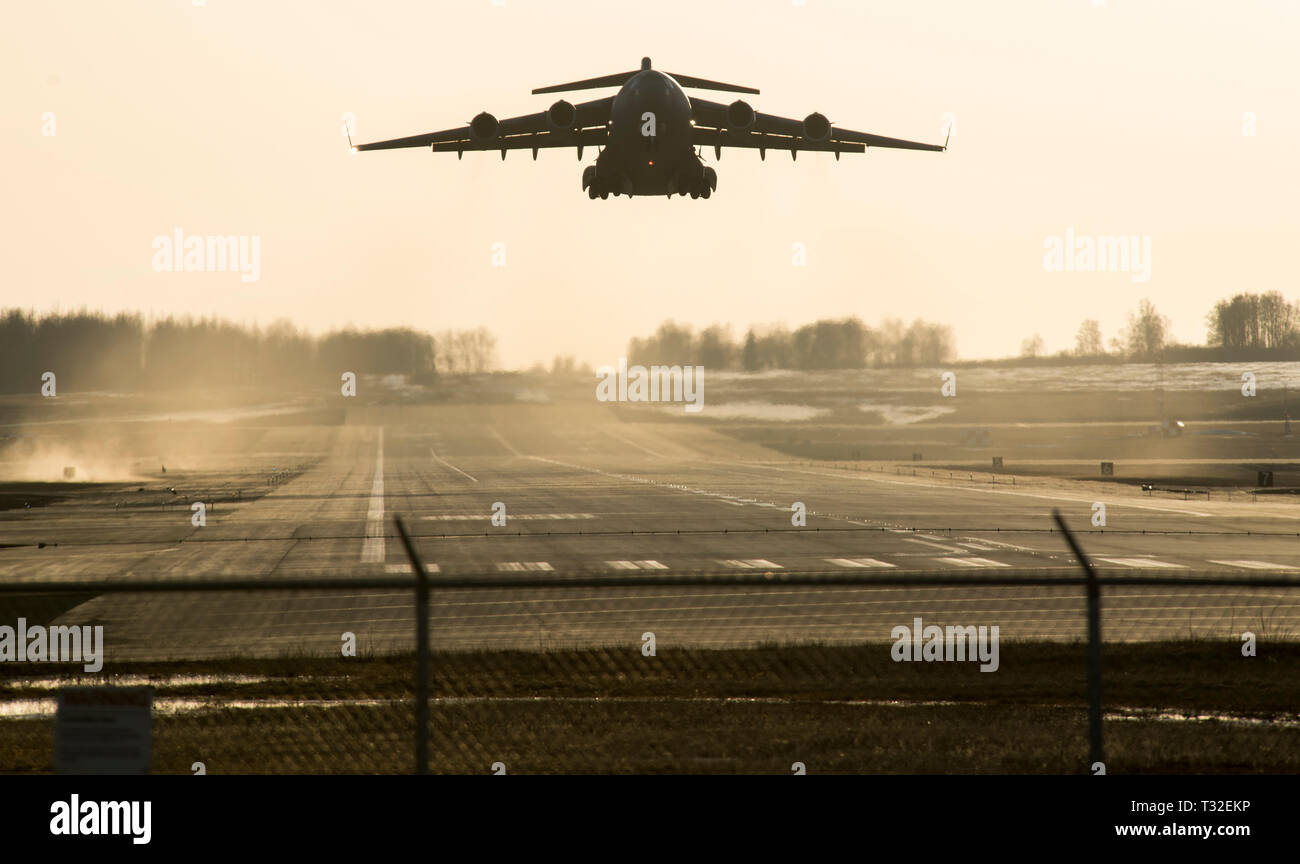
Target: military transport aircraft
(648, 133)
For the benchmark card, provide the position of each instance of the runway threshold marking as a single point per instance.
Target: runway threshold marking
(750, 564)
(972, 562)
(1257, 565)
(435, 455)
(406, 568)
(636, 565)
(372, 548)
(859, 562)
(1142, 562)
(517, 566)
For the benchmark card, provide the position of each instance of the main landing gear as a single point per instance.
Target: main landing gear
(600, 187)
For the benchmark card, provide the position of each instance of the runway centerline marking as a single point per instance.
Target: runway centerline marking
(1142, 562)
(972, 562)
(938, 546)
(372, 548)
(504, 442)
(435, 455)
(989, 545)
(632, 443)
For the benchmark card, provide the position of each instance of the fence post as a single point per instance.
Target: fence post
(421, 652)
(1095, 754)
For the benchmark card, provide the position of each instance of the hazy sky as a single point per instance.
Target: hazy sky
(1123, 118)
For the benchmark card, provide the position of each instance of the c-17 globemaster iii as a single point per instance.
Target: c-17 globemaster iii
(651, 134)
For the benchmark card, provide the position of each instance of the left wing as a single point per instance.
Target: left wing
(714, 128)
(532, 131)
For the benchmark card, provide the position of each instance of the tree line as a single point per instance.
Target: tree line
(1243, 326)
(845, 343)
(95, 351)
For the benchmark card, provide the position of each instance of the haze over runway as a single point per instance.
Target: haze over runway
(587, 491)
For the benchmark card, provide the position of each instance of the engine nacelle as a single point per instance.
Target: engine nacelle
(816, 127)
(740, 115)
(561, 117)
(484, 127)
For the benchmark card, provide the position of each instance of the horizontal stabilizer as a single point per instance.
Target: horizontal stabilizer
(705, 84)
(616, 80)
(620, 78)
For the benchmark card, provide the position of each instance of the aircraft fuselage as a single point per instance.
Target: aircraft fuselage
(649, 150)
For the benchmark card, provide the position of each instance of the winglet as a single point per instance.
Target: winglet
(946, 136)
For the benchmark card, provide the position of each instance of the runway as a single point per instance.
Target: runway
(590, 490)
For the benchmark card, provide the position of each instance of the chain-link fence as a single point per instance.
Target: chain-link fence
(760, 671)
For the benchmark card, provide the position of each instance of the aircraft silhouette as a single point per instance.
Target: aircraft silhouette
(648, 133)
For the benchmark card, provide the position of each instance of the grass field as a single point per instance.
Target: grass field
(835, 709)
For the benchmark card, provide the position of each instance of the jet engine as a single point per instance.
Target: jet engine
(484, 127)
(561, 117)
(740, 115)
(816, 127)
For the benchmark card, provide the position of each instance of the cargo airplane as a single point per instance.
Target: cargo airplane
(650, 134)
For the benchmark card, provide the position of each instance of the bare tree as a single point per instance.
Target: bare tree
(1147, 329)
(1087, 342)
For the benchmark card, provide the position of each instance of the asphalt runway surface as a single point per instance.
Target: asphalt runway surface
(590, 490)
